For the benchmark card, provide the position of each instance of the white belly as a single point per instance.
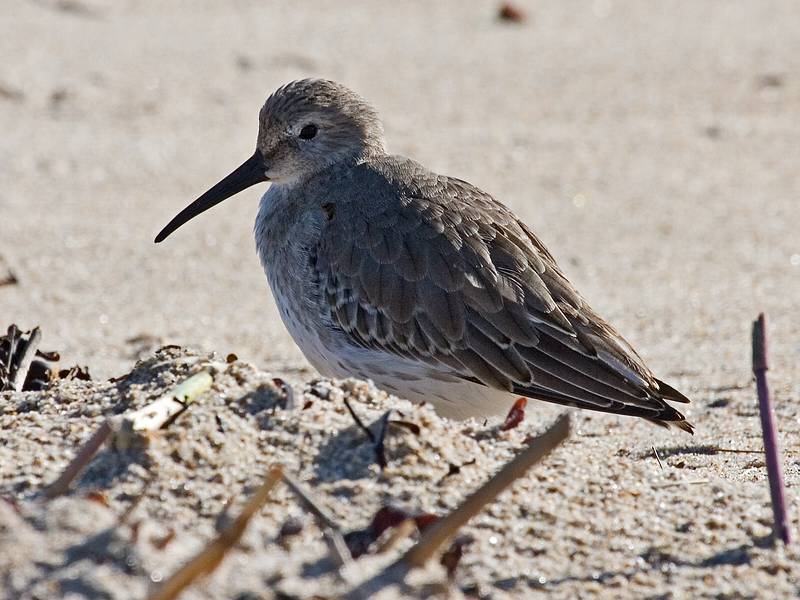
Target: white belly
(305, 333)
(452, 396)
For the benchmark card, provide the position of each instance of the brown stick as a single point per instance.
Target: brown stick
(398, 534)
(440, 532)
(211, 556)
(78, 464)
(769, 431)
(148, 418)
(670, 484)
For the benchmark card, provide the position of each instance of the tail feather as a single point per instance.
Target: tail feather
(670, 393)
(660, 413)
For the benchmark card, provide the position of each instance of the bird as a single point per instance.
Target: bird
(425, 284)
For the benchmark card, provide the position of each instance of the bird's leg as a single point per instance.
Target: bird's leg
(515, 415)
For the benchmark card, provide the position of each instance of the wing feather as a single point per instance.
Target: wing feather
(433, 269)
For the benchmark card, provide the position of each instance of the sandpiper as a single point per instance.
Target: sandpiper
(423, 283)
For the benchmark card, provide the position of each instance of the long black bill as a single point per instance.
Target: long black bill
(249, 173)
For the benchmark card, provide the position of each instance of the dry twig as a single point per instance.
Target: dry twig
(211, 556)
(379, 446)
(330, 528)
(658, 458)
(399, 533)
(153, 416)
(444, 529)
(670, 484)
(379, 440)
(359, 422)
(441, 530)
(78, 464)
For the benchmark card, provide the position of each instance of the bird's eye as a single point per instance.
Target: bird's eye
(308, 132)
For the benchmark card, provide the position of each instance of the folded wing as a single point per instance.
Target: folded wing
(442, 273)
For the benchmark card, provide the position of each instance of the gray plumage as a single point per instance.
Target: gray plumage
(422, 282)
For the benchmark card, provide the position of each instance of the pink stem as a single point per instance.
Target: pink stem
(776, 487)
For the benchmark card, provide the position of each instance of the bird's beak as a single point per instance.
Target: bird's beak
(249, 173)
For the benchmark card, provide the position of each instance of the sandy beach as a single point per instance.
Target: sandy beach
(653, 148)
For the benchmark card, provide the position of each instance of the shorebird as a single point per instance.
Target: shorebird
(423, 283)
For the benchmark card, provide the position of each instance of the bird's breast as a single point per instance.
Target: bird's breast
(286, 237)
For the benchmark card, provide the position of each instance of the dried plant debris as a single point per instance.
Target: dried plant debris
(17, 351)
(407, 425)
(377, 438)
(359, 541)
(143, 345)
(75, 372)
(574, 526)
(82, 458)
(9, 278)
(24, 367)
(445, 529)
(452, 556)
(389, 525)
(510, 13)
(288, 391)
(453, 469)
(123, 430)
(359, 422)
(210, 557)
(380, 439)
(98, 496)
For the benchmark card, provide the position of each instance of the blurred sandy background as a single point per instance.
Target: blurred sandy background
(653, 146)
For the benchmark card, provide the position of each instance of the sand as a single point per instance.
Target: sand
(586, 521)
(654, 150)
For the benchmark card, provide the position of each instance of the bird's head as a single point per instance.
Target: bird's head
(310, 124)
(304, 127)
